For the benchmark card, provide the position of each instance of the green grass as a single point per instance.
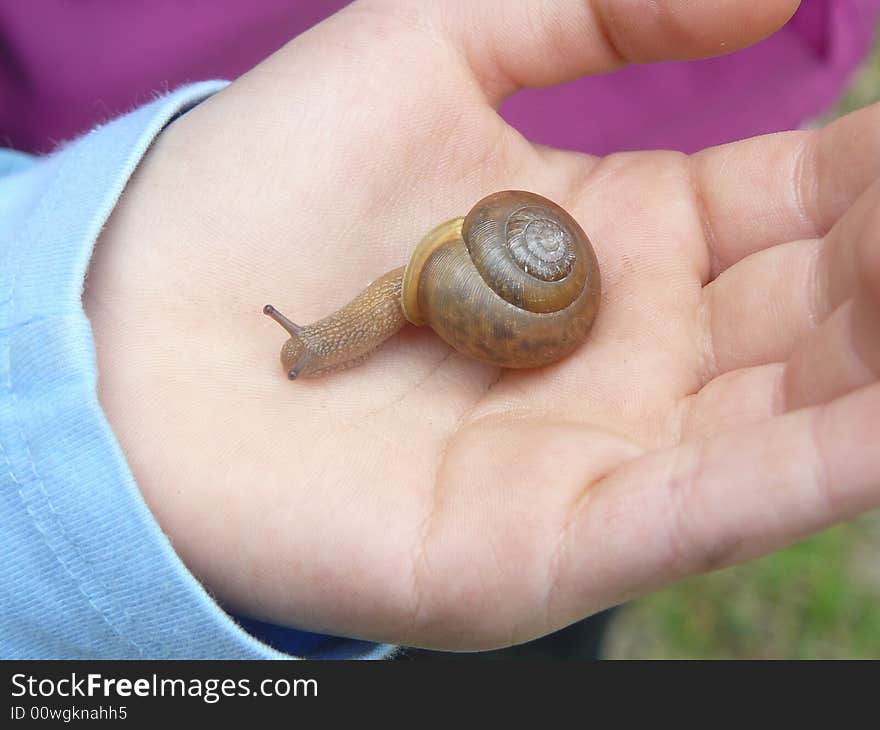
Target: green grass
(816, 600)
(864, 88)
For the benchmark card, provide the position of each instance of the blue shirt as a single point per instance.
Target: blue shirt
(86, 572)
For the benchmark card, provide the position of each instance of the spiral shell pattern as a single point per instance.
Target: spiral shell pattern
(539, 245)
(529, 251)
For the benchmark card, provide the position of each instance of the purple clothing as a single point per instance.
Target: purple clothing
(66, 66)
(780, 83)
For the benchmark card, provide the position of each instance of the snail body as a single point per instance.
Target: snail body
(515, 284)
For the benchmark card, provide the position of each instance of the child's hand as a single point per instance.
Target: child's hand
(724, 405)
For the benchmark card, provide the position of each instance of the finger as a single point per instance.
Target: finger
(543, 42)
(783, 187)
(839, 356)
(844, 353)
(710, 504)
(734, 399)
(757, 310)
(783, 293)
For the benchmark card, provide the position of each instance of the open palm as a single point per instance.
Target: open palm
(722, 406)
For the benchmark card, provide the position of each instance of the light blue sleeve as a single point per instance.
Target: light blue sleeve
(85, 570)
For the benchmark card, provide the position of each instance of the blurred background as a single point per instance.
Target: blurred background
(816, 600)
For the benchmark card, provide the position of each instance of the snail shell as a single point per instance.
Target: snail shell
(515, 284)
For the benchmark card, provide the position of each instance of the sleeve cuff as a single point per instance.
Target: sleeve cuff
(87, 572)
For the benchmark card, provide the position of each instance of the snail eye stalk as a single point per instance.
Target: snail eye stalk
(291, 327)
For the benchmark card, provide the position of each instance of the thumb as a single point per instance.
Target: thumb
(509, 45)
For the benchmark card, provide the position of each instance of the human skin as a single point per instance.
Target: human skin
(724, 405)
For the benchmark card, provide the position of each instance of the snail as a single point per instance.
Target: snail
(515, 283)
